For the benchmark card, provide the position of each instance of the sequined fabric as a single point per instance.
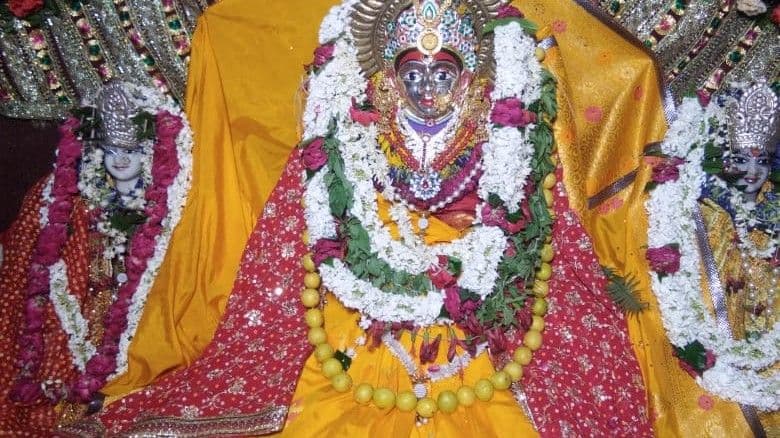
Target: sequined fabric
(586, 380)
(39, 419)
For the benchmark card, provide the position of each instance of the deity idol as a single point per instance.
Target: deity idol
(722, 321)
(417, 268)
(84, 253)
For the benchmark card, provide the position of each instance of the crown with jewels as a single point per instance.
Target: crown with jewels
(431, 25)
(117, 106)
(752, 118)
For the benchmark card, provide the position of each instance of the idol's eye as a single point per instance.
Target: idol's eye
(443, 75)
(412, 76)
(738, 159)
(763, 161)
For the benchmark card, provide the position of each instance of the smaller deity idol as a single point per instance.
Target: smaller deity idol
(728, 226)
(85, 251)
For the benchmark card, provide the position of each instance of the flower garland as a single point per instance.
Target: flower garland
(734, 369)
(405, 281)
(351, 153)
(170, 174)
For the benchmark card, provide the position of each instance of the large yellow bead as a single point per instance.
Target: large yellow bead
(310, 297)
(426, 407)
(406, 401)
(331, 367)
(312, 280)
(544, 272)
(500, 380)
(323, 352)
(341, 382)
(541, 288)
(314, 318)
(549, 181)
(308, 263)
(532, 339)
(515, 371)
(363, 393)
(483, 389)
(317, 336)
(466, 395)
(522, 355)
(537, 323)
(539, 307)
(447, 402)
(305, 237)
(547, 253)
(548, 197)
(384, 398)
(539, 53)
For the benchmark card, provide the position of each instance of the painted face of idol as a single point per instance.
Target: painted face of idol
(124, 165)
(755, 166)
(429, 85)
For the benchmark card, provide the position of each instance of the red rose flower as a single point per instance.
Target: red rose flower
(314, 156)
(168, 125)
(776, 15)
(327, 248)
(509, 11)
(101, 365)
(510, 112)
(667, 170)
(323, 54)
(363, 117)
(25, 392)
(664, 260)
(23, 8)
(439, 274)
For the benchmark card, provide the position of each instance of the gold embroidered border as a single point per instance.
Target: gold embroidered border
(612, 189)
(267, 421)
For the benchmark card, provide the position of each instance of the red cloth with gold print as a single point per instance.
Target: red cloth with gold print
(584, 380)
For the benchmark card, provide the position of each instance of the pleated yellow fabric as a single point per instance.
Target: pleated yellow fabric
(244, 76)
(615, 109)
(244, 79)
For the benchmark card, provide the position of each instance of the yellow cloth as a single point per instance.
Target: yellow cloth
(318, 410)
(244, 76)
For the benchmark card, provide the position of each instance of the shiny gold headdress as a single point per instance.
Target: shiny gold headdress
(752, 118)
(371, 20)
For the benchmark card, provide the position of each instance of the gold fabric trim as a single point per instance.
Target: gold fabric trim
(612, 189)
(267, 421)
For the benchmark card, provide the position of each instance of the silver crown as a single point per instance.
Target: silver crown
(752, 118)
(117, 107)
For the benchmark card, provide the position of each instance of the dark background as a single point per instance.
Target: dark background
(26, 155)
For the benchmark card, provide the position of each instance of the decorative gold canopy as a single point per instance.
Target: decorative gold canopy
(371, 17)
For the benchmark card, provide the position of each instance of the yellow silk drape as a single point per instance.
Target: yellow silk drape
(244, 77)
(616, 107)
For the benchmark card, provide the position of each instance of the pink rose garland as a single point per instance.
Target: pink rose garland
(165, 167)
(26, 389)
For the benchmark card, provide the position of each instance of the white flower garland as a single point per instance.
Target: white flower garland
(96, 194)
(737, 372)
(68, 310)
(506, 163)
(47, 199)
(177, 198)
